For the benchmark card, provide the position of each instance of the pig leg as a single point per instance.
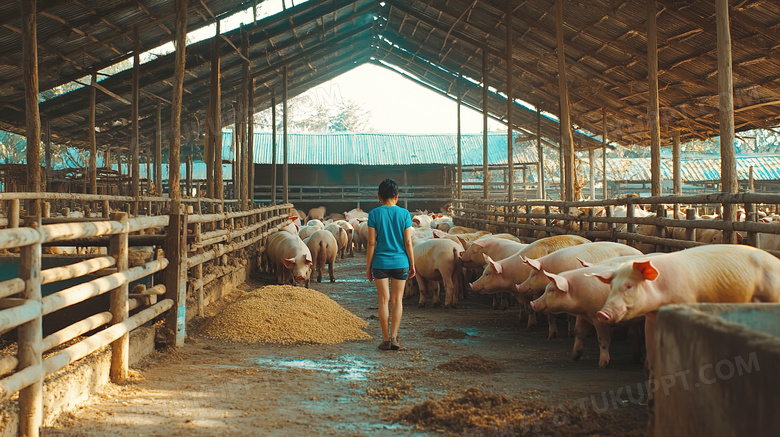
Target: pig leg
(330, 270)
(531, 320)
(450, 292)
(581, 330)
(552, 327)
(604, 333)
(435, 289)
(572, 324)
(423, 286)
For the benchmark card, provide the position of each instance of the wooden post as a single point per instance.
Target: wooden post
(676, 165)
(485, 169)
(120, 349)
(158, 151)
(250, 156)
(245, 120)
(592, 174)
(47, 153)
(285, 174)
(750, 216)
(92, 167)
(751, 182)
(604, 191)
(30, 338)
(459, 185)
(135, 135)
(630, 225)
(213, 125)
(567, 141)
(234, 176)
(660, 231)
(188, 167)
(32, 115)
(510, 103)
(199, 277)
(13, 213)
(728, 160)
(540, 186)
(273, 148)
(653, 119)
(547, 222)
(174, 149)
(690, 233)
(176, 278)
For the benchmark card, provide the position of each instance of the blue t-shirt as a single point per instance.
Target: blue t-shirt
(390, 223)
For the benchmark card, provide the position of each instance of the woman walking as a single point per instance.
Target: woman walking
(389, 259)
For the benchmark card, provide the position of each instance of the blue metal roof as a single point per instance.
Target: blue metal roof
(384, 149)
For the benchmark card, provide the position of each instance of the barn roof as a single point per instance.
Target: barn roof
(431, 42)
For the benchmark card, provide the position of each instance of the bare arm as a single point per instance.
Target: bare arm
(370, 247)
(409, 250)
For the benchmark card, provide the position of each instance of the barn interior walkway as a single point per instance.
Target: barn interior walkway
(211, 387)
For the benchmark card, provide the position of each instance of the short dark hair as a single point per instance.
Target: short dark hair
(388, 189)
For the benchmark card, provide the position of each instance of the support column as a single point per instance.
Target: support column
(728, 160)
(485, 170)
(509, 105)
(604, 191)
(32, 115)
(592, 174)
(285, 174)
(653, 120)
(174, 148)
(250, 134)
(30, 334)
(120, 348)
(567, 142)
(273, 148)
(158, 151)
(188, 167)
(135, 135)
(92, 167)
(236, 140)
(676, 165)
(245, 81)
(47, 153)
(459, 191)
(540, 186)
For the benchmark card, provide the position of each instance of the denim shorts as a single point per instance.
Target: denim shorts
(400, 274)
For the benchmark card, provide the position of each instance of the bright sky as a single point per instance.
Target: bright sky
(399, 105)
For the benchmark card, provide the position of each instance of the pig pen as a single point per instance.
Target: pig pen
(716, 370)
(469, 371)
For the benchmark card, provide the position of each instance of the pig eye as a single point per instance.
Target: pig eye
(629, 286)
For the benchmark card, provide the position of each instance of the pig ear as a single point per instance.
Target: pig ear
(584, 263)
(495, 265)
(533, 263)
(289, 262)
(646, 269)
(560, 281)
(308, 258)
(462, 242)
(605, 276)
(293, 217)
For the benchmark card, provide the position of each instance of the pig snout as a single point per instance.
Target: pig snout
(539, 305)
(602, 315)
(300, 278)
(521, 288)
(471, 286)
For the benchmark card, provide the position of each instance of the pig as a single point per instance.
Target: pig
(355, 213)
(341, 237)
(563, 260)
(577, 292)
(422, 221)
(317, 213)
(305, 231)
(350, 235)
(495, 248)
(363, 232)
(461, 230)
(316, 223)
(437, 260)
(291, 226)
(721, 273)
(324, 248)
(290, 257)
(502, 275)
(444, 224)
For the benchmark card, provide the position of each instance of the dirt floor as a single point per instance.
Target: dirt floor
(471, 371)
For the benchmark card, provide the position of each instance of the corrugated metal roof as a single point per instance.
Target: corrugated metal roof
(384, 149)
(765, 168)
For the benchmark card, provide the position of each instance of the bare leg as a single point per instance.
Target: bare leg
(383, 295)
(397, 304)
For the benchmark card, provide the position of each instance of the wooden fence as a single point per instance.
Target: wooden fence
(540, 218)
(184, 243)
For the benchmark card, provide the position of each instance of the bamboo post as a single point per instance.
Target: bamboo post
(120, 349)
(653, 119)
(32, 114)
(604, 190)
(485, 170)
(273, 148)
(728, 160)
(176, 278)
(135, 137)
(567, 143)
(13, 213)
(174, 152)
(459, 182)
(540, 152)
(92, 167)
(509, 104)
(285, 174)
(30, 339)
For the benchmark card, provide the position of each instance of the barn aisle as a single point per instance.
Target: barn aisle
(212, 387)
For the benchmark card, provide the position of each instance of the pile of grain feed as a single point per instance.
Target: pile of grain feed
(284, 314)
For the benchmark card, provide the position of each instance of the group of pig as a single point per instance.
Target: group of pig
(300, 250)
(598, 284)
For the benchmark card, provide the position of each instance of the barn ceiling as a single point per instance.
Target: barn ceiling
(431, 42)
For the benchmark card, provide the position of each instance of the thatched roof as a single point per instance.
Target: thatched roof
(433, 41)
